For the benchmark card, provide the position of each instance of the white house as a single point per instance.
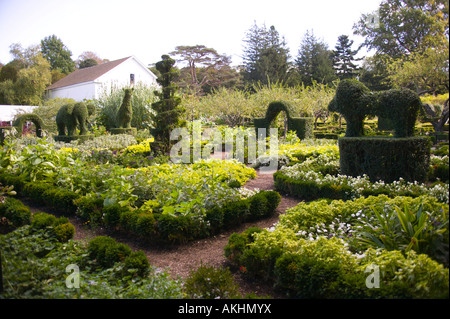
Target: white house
(8, 112)
(89, 83)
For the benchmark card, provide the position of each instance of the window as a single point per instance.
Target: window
(132, 79)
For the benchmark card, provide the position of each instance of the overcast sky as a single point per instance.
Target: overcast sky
(148, 29)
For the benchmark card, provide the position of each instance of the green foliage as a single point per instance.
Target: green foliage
(350, 101)
(302, 126)
(386, 159)
(266, 57)
(318, 250)
(209, 282)
(34, 267)
(106, 251)
(109, 103)
(13, 214)
(59, 57)
(23, 118)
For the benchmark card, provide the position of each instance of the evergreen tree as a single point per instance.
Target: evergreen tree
(266, 57)
(344, 58)
(167, 112)
(314, 63)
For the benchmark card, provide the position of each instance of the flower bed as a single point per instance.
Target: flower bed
(170, 202)
(318, 178)
(323, 249)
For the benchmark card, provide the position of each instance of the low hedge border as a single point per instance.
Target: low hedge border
(146, 224)
(309, 190)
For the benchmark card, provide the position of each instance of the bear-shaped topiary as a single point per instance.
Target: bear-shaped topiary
(125, 112)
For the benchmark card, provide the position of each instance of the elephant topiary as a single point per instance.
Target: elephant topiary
(72, 115)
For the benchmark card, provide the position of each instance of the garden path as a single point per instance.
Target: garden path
(179, 260)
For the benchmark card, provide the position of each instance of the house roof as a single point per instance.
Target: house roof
(86, 74)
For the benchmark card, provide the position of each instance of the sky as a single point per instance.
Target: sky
(148, 29)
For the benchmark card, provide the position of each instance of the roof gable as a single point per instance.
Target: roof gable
(86, 74)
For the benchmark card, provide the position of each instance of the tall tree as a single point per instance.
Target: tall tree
(205, 68)
(266, 56)
(314, 61)
(401, 27)
(31, 76)
(59, 56)
(344, 58)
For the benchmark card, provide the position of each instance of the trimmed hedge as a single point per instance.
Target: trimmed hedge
(303, 126)
(385, 159)
(15, 214)
(149, 225)
(309, 190)
(36, 119)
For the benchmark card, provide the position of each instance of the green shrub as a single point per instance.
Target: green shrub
(64, 232)
(209, 282)
(385, 159)
(15, 212)
(36, 119)
(90, 209)
(135, 265)
(35, 190)
(106, 251)
(238, 242)
(145, 224)
(42, 220)
(112, 213)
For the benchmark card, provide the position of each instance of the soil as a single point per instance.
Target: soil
(180, 260)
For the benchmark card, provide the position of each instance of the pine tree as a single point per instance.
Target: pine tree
(314, 62)
(167, 112)
(266, 57)
(344, 58)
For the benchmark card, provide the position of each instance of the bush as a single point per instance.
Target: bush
(386, 159)
(16, 213)
(208, 282)
(64, 232)
(90, 209)
(135, 265)
(42, 220)
(106, 251)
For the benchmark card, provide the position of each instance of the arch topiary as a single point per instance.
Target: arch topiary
(34, 118)
(303, 126)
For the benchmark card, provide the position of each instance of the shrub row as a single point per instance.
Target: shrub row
(327, 266)
(143, 222)
(310, 190)
(177, 228)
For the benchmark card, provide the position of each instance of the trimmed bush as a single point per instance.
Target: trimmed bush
(106, 251)
(385, 159)
(15, 212)
(303, 126)
(22, 119)
(135, 265)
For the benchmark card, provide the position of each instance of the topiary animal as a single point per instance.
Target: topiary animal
(125, 112)
(72, 115)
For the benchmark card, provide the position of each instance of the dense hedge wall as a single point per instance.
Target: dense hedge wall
(385, 159)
